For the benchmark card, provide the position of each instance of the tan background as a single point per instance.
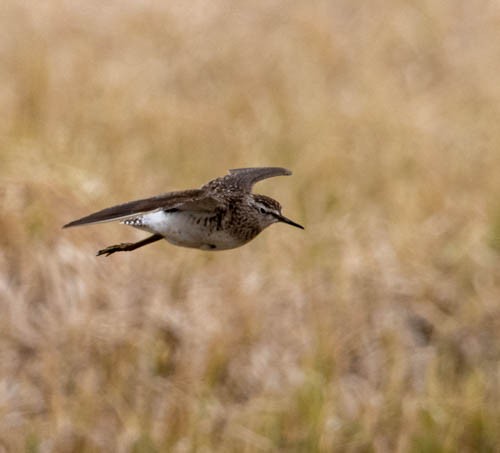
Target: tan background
(375, 329)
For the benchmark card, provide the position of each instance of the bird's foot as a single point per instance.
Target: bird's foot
(123, 247)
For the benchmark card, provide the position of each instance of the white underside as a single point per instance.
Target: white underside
(180, 228)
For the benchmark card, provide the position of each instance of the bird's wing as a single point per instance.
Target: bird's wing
(245, 178)
(195, 200)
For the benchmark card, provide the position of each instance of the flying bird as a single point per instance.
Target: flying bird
(223, 214)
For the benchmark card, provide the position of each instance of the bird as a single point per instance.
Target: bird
(223, 214)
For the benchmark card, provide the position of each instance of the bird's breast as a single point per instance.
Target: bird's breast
(204, 231)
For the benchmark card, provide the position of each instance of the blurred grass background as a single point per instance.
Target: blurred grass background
(376, 329)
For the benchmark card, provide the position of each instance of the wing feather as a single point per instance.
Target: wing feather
(196, 200)
(247, 177)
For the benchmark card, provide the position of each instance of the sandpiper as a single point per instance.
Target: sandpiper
(221, 215)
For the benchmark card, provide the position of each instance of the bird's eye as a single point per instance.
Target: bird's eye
(262, 211)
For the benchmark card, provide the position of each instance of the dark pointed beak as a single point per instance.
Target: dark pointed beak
(283, 219)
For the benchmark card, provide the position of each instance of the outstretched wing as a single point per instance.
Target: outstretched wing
(245, 178)
(195, 200)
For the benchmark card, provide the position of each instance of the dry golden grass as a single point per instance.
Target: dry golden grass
(376, 329)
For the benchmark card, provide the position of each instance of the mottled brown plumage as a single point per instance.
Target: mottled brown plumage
(222, 214)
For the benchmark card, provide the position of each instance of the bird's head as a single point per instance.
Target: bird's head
(269, 211)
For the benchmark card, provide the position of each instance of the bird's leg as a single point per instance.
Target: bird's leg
(129, 246)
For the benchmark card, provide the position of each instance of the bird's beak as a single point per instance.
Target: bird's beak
(282, 218)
